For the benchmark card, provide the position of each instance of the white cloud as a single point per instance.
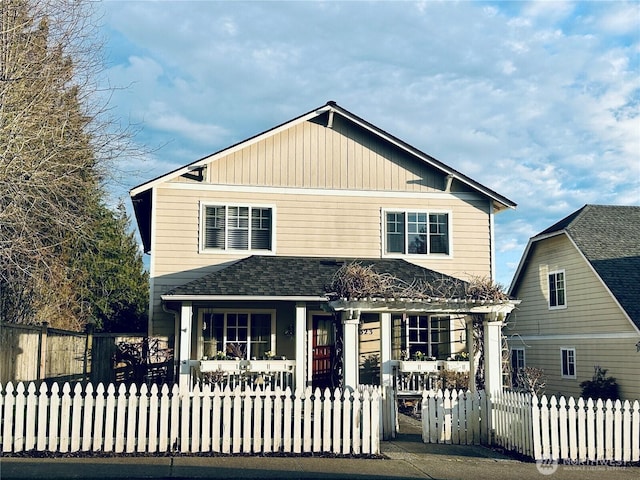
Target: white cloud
(539, 101)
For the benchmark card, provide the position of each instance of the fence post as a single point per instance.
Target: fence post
(88, 345)
(42, 361)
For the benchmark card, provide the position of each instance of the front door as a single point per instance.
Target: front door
(323, 351)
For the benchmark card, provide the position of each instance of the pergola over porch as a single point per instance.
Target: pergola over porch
(491, 314)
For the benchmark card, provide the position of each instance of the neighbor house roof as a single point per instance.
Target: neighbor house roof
(608, 237)
(142, 199)
(296, 278)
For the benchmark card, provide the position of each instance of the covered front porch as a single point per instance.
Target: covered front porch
(296, 326)
(406, 348)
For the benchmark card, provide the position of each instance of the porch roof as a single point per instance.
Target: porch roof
(295, 278)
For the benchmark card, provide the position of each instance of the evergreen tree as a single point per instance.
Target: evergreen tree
(115, 284)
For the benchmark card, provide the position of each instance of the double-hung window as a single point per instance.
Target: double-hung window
(236, 227)
(568, 362)
(417, 233)
(237, 334)
(557, 290)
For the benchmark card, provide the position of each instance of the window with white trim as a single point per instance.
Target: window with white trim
(429, 335)
(417, 233)
(238, 334)
(557, 290)
(236, 227)
(568, 362)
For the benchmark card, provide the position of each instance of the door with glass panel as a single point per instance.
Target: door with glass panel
(322, 351)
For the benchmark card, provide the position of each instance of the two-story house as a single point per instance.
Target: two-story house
(246, 244)
(579, 283)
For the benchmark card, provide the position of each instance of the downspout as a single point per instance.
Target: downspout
(492, 242)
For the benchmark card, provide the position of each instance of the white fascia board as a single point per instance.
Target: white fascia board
(319, 191)
(222, 153)
(574, 336)
(196, 298)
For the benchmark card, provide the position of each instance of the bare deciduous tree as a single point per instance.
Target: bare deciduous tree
(56, 147)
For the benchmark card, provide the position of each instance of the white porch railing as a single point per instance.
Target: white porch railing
(245, 373)
(413, 376)
(249, 421)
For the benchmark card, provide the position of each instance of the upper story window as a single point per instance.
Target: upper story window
(557, 290)
(236, 227)
(417, 233)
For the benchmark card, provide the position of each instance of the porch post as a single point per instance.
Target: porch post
(351, 348)
(493, 353)
(472, 353)
(301, 346)
(186, 313)
(386, 378)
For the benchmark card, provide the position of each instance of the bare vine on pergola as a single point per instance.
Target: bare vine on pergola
(357, 281)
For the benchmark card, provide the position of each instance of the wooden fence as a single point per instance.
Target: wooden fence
(39, 353)
(165, 420)
(543, 429)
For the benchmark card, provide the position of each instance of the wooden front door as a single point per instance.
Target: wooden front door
(323, 351)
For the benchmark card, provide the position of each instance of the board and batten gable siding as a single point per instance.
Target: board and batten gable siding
(592, 323)
(310, 155)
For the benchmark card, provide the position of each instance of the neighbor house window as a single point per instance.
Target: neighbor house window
(517, 364)
(557, 298)
(568, 362)
(429, 335)
(417, 233)
(237, 334)
(235, 227)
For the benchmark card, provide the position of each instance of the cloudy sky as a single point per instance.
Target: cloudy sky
(538, 101)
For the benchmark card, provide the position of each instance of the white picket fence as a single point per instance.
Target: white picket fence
(543, 429)
(165, 420)
(586, 430)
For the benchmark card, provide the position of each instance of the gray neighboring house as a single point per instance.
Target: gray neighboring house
(579, 282)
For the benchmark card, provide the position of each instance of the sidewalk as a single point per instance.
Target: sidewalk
(406, 458)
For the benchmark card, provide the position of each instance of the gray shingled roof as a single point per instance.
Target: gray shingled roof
(609, 238)
(275, 276)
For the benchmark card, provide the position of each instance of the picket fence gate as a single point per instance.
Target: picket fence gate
(543, 429)
(163, 419)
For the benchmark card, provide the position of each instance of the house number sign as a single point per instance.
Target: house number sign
(366, 331)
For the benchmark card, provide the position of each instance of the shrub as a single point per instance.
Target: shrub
(600, 385)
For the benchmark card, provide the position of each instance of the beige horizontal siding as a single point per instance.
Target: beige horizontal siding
(590, 308)
(611, 354)
(309, 225)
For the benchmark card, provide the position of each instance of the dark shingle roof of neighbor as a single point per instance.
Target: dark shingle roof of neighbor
(609, 238)
(275, 276)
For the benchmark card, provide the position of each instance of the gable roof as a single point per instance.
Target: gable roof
(608, 237)
(295, 278)
(141, 194)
